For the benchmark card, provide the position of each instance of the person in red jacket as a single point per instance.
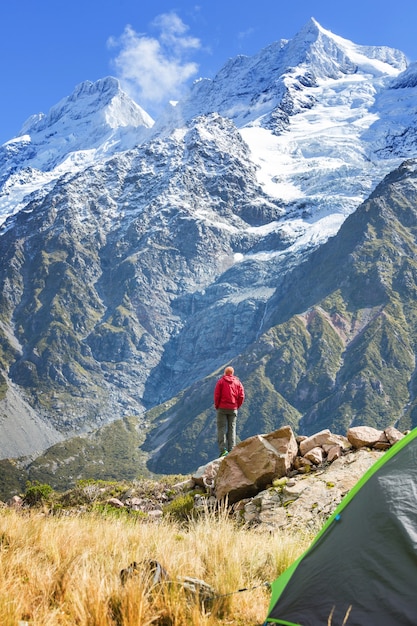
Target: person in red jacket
(229, 395)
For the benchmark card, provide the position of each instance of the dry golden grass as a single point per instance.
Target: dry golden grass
(62, 571)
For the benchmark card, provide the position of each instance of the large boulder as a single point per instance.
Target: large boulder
(255, 463)
(366, 436)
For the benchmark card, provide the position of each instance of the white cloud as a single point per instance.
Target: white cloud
(154, 70)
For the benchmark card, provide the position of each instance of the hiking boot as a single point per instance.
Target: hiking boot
(224, 453)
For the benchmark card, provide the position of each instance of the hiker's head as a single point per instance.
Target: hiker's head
(229, 371)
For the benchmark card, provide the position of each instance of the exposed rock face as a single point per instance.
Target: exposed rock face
(304, 502)
(99, 294)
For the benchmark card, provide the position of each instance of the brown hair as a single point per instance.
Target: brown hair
(229, 371)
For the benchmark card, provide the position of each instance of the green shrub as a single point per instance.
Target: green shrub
(37, 493)
(181, 507)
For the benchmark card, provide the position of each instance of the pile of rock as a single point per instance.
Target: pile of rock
(327, 447)
(283, 480)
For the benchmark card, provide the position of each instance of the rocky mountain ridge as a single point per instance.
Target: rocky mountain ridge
(136, 258)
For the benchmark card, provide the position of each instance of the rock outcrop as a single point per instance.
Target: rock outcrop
(304, 501)
(280, 481)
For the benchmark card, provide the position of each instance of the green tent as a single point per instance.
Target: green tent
(361, 568)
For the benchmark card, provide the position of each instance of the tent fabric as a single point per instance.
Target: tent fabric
(361, 568)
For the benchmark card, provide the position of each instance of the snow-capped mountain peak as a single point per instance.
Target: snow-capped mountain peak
(304, 107)
(103, 98)
(95, 121)
(86, 118)
(248, 89)
(329, 54)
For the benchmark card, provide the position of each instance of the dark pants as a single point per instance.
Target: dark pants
(226, 429)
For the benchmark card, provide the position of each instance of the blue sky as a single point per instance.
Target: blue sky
(47, 47)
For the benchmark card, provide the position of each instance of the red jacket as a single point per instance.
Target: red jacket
(228, 393)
